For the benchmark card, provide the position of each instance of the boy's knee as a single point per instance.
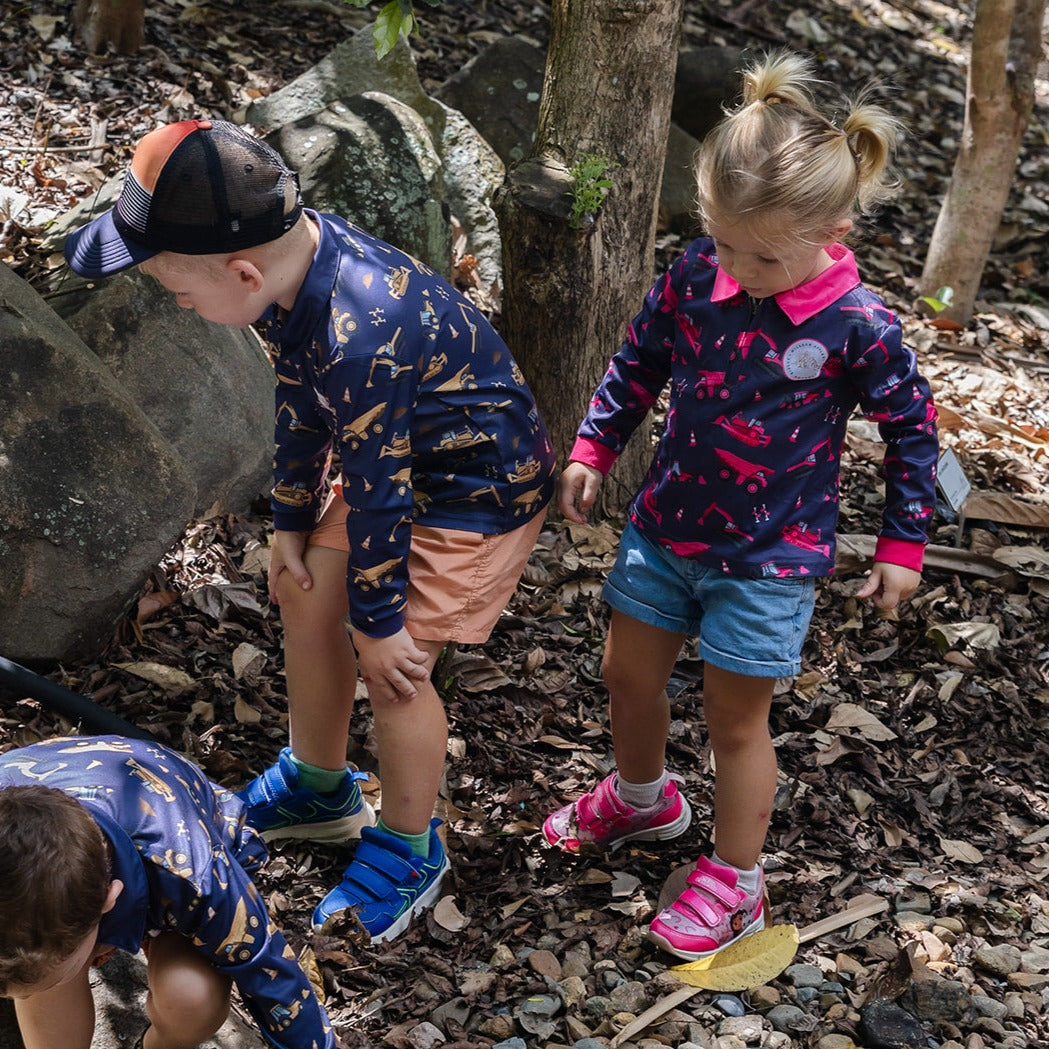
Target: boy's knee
(189, 1002)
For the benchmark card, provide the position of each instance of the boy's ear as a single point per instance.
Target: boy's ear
(247, 273)
(116, 887)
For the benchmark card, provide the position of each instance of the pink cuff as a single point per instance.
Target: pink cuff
(591, 453)
(900, 552)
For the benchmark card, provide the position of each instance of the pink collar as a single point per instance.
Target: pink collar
(806, 300)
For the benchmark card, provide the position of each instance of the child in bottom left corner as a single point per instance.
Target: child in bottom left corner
(109, 843)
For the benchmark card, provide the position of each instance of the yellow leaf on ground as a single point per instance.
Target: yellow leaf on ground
(751, 962)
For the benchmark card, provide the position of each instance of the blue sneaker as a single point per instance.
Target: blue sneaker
(386, 884)
(279, 808)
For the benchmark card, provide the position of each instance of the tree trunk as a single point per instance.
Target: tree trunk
(119, 24)
(570, 292)
(1006, 49)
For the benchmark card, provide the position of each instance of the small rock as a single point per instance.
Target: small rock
(944, 921)
(511, 1043)
(765, 997)
(729, 1004)
(629, 997)
(1000, 959)
(806, 994)
(913, 921)
(938, 999)
(915, 900)
(788, 1018)
(573, 991)
(577, 962)
(589, 1043)
(835, 1041)
(987, 1025)
(779, 1040)
(500, 1026)
(546, 964)
(803, 975)
(884, 1025)
(598, 1006)
(1014, 1006)
(729, 1041)
(1035, 960)
(425, 1036)
(747, 1028)
(1028, 981)
(456, 1009)
(501, 956)
(990, 1007)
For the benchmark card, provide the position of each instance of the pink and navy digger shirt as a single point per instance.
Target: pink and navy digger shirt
(745, 477)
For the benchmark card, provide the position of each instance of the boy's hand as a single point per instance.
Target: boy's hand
(578, 487)
(391, 666)
(286, 555)
(889, 584)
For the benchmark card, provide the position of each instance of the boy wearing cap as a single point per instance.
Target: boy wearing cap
(110, 844)
(446, 471)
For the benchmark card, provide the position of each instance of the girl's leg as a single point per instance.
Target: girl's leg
(188, 999)
(637, 664)
(412, 738)
(60, 1016)
(737, 714)
(319, 660)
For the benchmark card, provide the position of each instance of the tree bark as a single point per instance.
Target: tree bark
(569, 292)
(1006, 49)
(119, 24)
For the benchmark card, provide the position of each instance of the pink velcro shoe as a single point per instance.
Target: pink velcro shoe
(601, 818)
(710, 914)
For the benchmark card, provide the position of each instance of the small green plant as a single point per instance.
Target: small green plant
(940, 301)
(590, 183)
(396, 17)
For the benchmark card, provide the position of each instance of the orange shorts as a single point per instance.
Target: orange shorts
(458, 582)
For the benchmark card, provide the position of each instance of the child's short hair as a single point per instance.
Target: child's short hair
(777, 157)
(54, 880)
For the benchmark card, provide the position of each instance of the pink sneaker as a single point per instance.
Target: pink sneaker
(710, 914)
(602, 818)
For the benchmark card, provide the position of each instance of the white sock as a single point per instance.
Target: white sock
(746, 880)
(641, 795)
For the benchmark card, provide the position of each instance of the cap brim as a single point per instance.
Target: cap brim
(99, 249)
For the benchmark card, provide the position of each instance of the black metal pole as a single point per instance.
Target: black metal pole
(69, 704)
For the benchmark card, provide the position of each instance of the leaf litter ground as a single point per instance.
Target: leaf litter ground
(912, 750)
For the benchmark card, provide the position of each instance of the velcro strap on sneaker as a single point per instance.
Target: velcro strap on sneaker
(377, 870)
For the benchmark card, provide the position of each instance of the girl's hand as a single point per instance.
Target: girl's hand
(286, 555)
(889, 584)
(392, 667)
(577, 489)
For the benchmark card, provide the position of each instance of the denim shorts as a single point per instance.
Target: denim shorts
(748, 626)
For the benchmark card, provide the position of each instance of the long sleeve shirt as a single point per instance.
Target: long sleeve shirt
(746, 473)
(185, 856)
(385, 362)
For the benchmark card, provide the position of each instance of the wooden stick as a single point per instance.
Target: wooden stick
(861, 907)
(653, 1013)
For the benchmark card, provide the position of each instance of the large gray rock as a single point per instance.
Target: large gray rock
(371, 160)
(471, 170)
(707, 80)
(206, 387)
(91, 493)
(498, 91)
